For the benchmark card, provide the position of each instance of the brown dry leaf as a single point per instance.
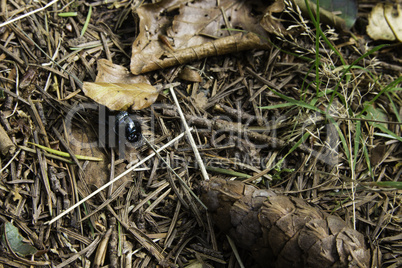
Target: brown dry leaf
(198, 31)
(191, 75)
(121, 97)
(377, 154)
(272, 24)
(6, 144)
(283, 231)
(200, 100)
(96, 173)
(113, 73)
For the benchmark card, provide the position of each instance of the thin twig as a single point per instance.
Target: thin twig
(236, 253)
(28, 14)
(190, 137)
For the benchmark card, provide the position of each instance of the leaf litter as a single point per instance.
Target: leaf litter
(121, 97)
(149, 214)
(16, 241)
(201, 29)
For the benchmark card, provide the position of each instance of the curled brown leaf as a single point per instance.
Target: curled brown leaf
(201, 29)
(113, 73)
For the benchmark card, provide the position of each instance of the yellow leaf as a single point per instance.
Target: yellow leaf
(16, 193)
(385, 22)
(121, 97)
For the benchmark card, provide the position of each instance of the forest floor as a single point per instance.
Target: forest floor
(303, 123)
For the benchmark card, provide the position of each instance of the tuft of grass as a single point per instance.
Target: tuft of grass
(355, 143)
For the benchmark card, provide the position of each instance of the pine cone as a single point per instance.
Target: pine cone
(283, 231)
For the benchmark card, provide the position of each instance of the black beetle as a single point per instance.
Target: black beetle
(132, 128)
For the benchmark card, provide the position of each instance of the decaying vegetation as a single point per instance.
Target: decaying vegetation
(305, 116)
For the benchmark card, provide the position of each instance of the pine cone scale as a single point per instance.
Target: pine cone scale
(283, 231)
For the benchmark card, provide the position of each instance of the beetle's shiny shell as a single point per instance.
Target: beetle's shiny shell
(132, 128)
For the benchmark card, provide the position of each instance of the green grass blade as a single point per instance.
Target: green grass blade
(295, 102)
(64, 154)
(388, 88)
(342, 137)
(386, 184)
(389, 133)
(393, 106)
(87, 21)
(367, 157)
(277, 106)
(347, 69)
(294, 147)
(67, 14)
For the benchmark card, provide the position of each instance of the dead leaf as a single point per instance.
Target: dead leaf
(190, 74)
(194, 264)
(377, 154)
(272, 24)
(101, 251)
(17, 242)
(385, 22)
(6, 144)
(201, 29)
(200, 100)
(377, 114)
(96, 173)
(394, 19)
(121, 97)
(113, 73)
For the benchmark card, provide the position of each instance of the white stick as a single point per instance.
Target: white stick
(28, 14)
(190, 137)
(114, 180)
